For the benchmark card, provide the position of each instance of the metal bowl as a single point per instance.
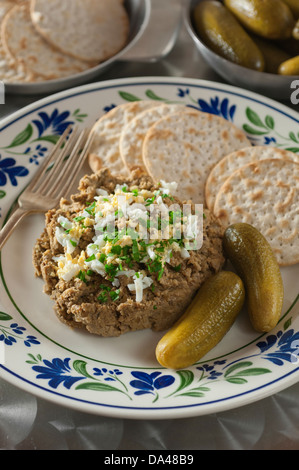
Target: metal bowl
(153, 31)
(268, 84)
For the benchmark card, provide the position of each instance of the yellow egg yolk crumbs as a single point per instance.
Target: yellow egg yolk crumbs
(130, 226)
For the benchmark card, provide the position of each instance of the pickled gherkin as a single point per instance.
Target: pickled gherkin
(222, 33)
(273, 54)
(252, 257)
(271, 19)
(205, 322)
(290, 66)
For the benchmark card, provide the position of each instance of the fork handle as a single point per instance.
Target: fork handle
(11, 224)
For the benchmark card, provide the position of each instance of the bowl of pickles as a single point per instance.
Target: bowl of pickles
(253, 44)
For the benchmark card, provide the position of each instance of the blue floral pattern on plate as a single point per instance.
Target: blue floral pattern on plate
(45, 130)
(282, 347)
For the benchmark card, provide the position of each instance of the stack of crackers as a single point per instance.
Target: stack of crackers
(52, 39)
(213, 162)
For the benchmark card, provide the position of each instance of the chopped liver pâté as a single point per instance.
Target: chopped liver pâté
(109, 271)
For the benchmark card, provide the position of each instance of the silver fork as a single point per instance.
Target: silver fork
(52, 180)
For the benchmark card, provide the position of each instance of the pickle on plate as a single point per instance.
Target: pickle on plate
(253, 258)
(271, 19)
(205, 322)
(289, 67)
(223, 34)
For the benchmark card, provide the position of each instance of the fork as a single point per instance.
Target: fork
(53, 179)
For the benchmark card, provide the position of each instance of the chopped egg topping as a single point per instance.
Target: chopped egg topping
(130, 226)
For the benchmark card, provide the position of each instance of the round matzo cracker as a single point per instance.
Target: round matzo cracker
(184, 146)
(105, 151)
(265, 194)
(28, 48)
(9, 70)
(133, 134)
(89, 30)
(228, 164)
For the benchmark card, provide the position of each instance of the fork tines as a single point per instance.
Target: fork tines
(68, 150)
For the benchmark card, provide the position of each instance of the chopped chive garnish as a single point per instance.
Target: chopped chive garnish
(92, 257)
(135, 251)
(81, 276)
(114, 294)
(90, 208)
(160, 274)
(102, 297)
(102, 258)
(116, 249)
(104, 287)
(177, 268)
(150, 201)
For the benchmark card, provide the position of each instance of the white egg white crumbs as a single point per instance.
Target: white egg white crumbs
(130, 225)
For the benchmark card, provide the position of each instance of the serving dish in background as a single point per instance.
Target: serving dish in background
(154, 25)
(268, 84)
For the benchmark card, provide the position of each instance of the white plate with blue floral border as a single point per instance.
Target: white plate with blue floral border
(120, 377)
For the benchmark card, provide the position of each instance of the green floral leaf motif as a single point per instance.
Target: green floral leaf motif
(98, 387)
(202, 388)
(251, 130)
(293, 137)
(238, 377)
(152, 96)
(79, 116)
(270, 122)
(48, 138)
(4, 316)
(287, 324)
(34, 360)
(194, 393)
(235, 367)
(186, 378)
(293, 149)
(81, 368)
(128, 96)
(253, 371)
(2, 194)
(22, 137)
(254, 118)
(236, 380)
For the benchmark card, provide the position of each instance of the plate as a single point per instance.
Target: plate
(119, 377)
